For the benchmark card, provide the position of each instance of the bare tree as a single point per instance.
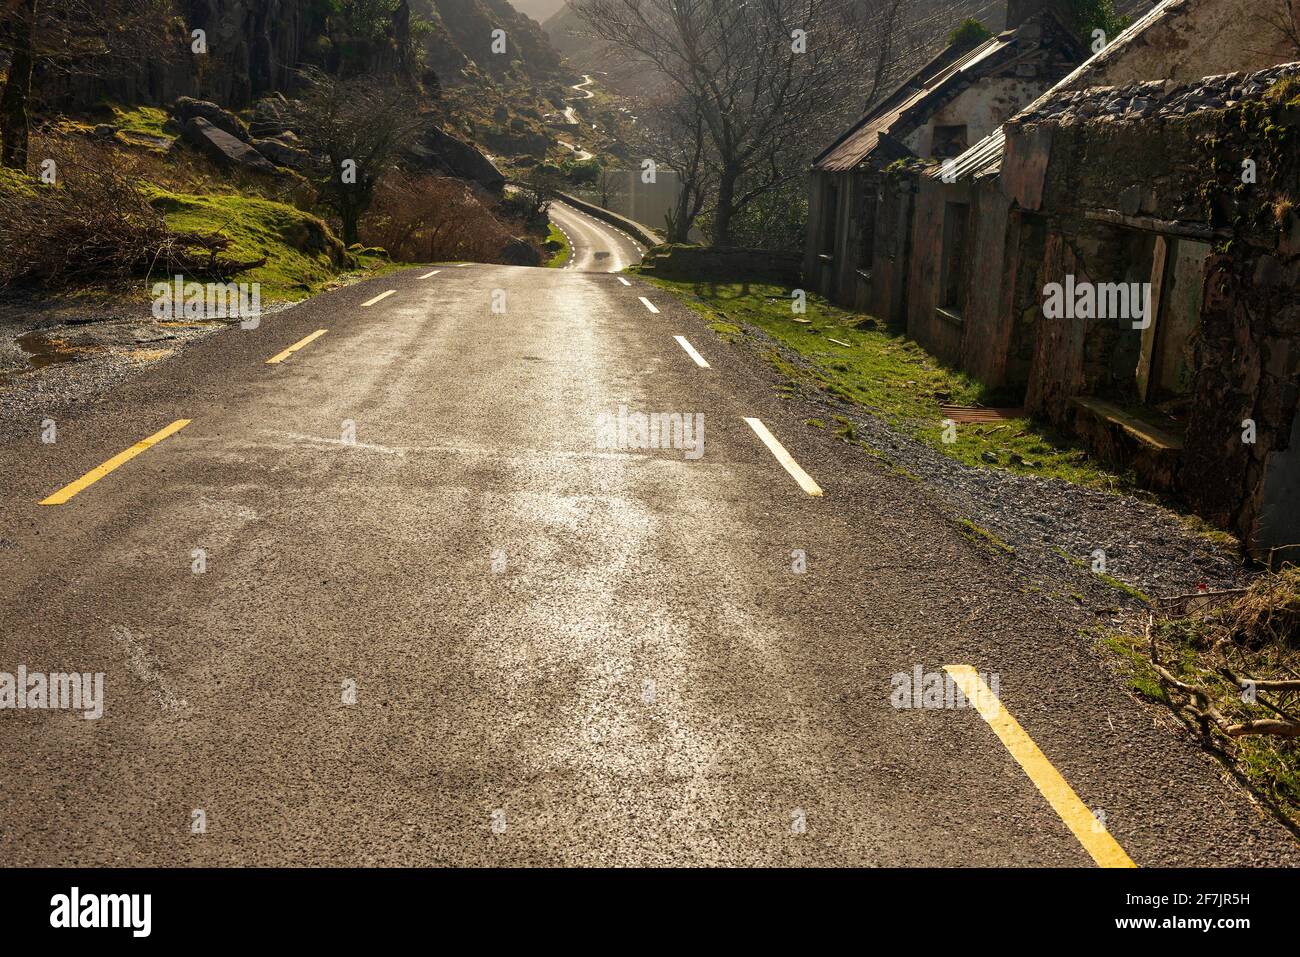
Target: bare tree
(46, 36)
(1284, 21)
(355, 129)
(767, 75)
(672, 130)
(884, 18)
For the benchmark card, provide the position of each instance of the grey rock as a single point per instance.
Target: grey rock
(187, 108)
(221, 147)
(517, 252)
(282, 154)
(440, 152)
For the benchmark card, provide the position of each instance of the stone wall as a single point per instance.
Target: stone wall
(709, 262)
(1185, 40)
(1248, 368)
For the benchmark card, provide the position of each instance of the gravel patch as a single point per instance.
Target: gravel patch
(1147, 546)
(64, 353)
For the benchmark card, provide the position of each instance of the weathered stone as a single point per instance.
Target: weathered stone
(441, 152)
(517, 252)
(282, 154)
(221, 147)
(270, 117)
(186, 108)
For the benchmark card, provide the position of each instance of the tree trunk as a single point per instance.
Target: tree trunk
(722, 218)
(14, 119)
(350, 215)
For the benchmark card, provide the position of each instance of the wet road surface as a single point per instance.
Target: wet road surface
(394, 599)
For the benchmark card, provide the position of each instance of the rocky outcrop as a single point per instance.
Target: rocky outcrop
(254, 46)
(222, 148)
(271, 116)
(519, 252)
(282, 154)
(441, 152)
(462, 34)
(187, 108)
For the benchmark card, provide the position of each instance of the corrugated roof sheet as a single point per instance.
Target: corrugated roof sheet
(982, 159)
(863, 138)
(985, 157)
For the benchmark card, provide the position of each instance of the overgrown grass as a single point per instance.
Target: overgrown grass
(13, 181)
(302, 255)
(892, 377)
(1256, 636)
(146, 120)
(562, 254)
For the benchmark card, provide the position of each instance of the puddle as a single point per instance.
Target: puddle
(43, 350)
(40, 350)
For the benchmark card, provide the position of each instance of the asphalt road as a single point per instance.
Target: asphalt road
(597, 246)
(561, 653)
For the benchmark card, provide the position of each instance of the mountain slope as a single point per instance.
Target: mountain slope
(539, 10)
(924, 32)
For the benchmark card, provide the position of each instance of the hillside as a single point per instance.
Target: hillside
(496, 101)
(539, 10)
(925, 31)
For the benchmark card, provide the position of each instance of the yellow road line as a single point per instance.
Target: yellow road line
(430, 275)
(1089, 830)
(690, 351)
(649, 305)
(275, 360)
(785, 458)
(95, 474)
(380, 298)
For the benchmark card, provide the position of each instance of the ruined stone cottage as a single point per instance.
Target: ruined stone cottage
(953, 101)
(1123, 256)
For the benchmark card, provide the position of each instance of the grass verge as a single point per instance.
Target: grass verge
(855, 359)
(302, 255)
(1213, 644)
(559, 242)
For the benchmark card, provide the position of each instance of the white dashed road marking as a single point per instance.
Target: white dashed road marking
(690, 351)
(649, 305)
(624, 281)
(785, 458)
(379, 298)
(430, 275)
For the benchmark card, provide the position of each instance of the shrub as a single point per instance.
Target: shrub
(424, 218)
(97, 224)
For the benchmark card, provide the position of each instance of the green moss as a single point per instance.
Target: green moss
(146, 120)
(984, 538)
(562, 248)
(14, 181)
(302, 255)
(969, 33)
(891, 377)
(1137, 668)
(1125, 587)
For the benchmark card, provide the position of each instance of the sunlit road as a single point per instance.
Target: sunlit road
(597, 246)
(390, 601)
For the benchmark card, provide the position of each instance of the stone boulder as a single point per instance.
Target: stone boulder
(271, 117)
(222, 148)
(187, 108)
(517, 252)
(282, 154)
(436, 151)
